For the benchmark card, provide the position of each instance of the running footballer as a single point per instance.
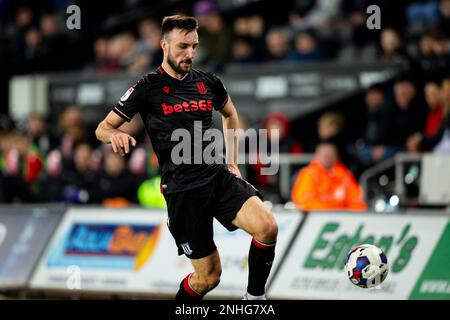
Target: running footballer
(174, 97)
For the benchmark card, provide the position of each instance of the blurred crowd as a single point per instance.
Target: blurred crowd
(303, 31)
(42, 161)
(401, 116)
(38, 164)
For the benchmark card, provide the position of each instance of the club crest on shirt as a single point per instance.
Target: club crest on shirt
(201, 88)
(127, 94)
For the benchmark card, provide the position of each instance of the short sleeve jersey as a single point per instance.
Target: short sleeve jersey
(167, 104)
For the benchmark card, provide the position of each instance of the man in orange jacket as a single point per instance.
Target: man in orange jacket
(326, 184)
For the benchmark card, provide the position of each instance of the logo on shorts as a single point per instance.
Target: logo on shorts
(186, 249)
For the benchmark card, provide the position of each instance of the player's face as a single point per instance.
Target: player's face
(180, 49)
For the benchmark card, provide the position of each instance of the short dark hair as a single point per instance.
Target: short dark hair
(186, 23)
(376, 87)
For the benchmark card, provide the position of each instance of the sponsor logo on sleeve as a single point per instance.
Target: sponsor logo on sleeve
(127, 94)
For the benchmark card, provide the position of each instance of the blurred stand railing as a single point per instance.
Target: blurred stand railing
(288, 166)
(409, 179)
(404, 180)
(287, 161)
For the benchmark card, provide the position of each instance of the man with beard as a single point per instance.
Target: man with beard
(176, 96)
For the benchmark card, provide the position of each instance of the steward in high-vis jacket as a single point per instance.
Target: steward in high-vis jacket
(326, 184)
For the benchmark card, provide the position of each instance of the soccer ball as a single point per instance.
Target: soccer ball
(366, 266)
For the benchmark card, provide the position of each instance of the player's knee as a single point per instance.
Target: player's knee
(269, 230)
(272, 228)
(213, 281)
(209, 282)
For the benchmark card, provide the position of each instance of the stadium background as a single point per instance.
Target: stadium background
(310, 65)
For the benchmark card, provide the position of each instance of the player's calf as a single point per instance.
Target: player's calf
(195, 286)
(260, 259)
(261, 256)
(255, 219)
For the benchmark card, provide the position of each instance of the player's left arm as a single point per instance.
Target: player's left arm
(230, 120)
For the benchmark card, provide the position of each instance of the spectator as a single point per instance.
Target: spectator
(24, 20)
(269, 184)
(216, 36)
(51, 180)
(408, 114)
(240, 27)
(71, 116)
(34, 51)
(80, 183)
(243, 51)
(256, 30)
(279, 121)
(378, 116)
(72, 128)
(372, 147)
(39, 135)
(435, 109)
(307, 48)
(123, 50)
(150, 36)
(252, 30)
(148, 49)
(277, 43)
(440, 141)
(391, 47)
(116, 186)
(55, 43)
(354, 11)
(102, 62)
(426, 45)
(21, 166)
(433, 59)
(330, 126)
(444, 23)
(326, 184)
(428, 64)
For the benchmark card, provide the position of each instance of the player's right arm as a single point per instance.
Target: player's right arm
(107, 132)
(129, 104)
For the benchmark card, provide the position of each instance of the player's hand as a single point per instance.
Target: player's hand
(122, 142)
(234, 169)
